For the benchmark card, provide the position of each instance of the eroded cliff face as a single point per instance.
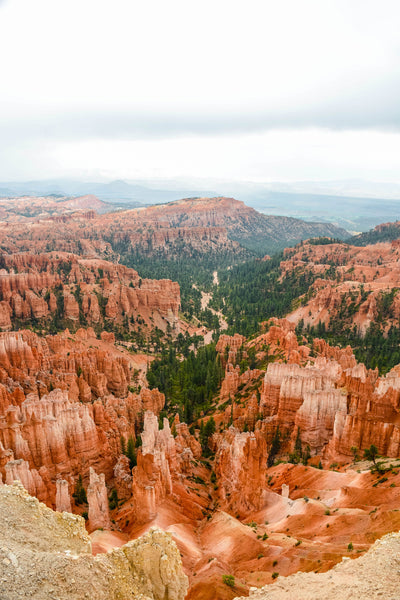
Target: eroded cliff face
(328, 401)
(162, 462)
(350, 282)
(334, 409)
(99, 516)
(67, 289)
(52, 558)
(46, 434)
(240, 467)
(191, 226)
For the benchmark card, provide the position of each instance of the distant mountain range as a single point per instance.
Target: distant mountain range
(192, 227)
(355, 206)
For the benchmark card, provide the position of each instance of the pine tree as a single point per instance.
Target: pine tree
(130, 452)
(275, 447)
(80, 493)
(297, 445)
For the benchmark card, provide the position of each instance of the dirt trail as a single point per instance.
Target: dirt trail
(205, 300)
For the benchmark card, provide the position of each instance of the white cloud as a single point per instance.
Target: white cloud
(194, 88)
(268, 156)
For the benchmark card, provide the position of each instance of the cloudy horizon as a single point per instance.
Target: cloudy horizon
(255, 91)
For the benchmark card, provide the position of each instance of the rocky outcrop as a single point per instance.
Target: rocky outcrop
(123, 477)
(61, 433)
(240, 467)
(63, 500)
(51, 558)
(19, 470)
(52, 432)
(333, 406)
(152, 480)
(228, 346)
(59, 288)
(349, 283)
(184, 441)
(161, 461)
(193, 227)
(99, 517)
(61, 361)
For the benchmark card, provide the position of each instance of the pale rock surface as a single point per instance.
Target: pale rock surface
(99, 516)
(51, 558)
(63, 500)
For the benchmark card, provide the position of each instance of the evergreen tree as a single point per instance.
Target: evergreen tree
(206, 431)
(130, 452)
(371, 453)
(80, 494)
(275, 447)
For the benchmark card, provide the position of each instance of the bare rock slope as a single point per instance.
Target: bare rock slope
(374, 575)
(47, 555)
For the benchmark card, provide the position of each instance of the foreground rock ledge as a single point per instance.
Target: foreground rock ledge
(47, 555)
(374, 575)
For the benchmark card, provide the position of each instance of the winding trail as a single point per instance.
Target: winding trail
(205, 300)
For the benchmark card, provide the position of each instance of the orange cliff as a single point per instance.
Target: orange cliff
(348, 281)
(334, 403)
(333, 408)
(162, 463)
(240, 467)
(201, 224)
(65, 286)
(47, 435)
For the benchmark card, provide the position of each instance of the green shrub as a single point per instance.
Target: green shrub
(80, 494)
(113, 499)
(275, 575)
(228, 580)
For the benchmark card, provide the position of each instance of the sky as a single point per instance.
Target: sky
(249, 90)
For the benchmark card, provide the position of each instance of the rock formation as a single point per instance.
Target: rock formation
(349, 283)
(201, 225)
(152, 480)
(161, 461)
(240, 466)
(63, 500)
(61, 433)
(99, 516)
(51, 558)
(55, 288)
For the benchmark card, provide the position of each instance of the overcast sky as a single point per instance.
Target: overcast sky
(250, 90)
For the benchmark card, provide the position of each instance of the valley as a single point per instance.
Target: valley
(230, 378)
